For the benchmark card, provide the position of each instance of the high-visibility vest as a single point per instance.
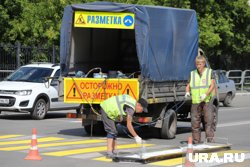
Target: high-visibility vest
(200, 84)
(113, 106)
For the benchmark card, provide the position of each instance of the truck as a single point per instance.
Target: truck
(108, 49)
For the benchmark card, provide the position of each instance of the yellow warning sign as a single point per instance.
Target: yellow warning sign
(74, 92)
(117, 20)
(80, 20)
(92, 90)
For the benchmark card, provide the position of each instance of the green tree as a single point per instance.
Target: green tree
(9, 10)
(224, 25)
(224, 32)
(36, 22)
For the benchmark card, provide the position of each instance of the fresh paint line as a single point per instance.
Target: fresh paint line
(105, 159)
(89, 150)
(45, 139)
(9, 136)
(52, 145)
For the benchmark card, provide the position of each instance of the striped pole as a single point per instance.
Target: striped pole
(189, 151)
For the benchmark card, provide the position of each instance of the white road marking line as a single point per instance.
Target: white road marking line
(233, 124)
(239, 108)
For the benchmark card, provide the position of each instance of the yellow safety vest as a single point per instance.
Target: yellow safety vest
(200, 84)
(113, 106)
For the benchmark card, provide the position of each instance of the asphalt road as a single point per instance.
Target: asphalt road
(63, 142)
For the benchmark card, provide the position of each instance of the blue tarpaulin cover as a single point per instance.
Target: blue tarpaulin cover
(166, 38)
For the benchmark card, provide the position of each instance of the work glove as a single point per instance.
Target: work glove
(187, 95)
(138, 140)
(203, 97)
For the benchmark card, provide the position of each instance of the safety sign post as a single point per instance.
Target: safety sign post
(94, 91)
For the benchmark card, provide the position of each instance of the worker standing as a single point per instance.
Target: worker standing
(202, 85)
(115, 108)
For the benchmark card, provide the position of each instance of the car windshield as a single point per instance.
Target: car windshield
(30, 74)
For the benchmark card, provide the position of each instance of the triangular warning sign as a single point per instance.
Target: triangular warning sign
(128, 91)
(80, 20)
(74, 93)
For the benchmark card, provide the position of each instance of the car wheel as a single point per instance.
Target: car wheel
(169, 125)
(228, 100)
(40, 109)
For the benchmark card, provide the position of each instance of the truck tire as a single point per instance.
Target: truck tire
(228, 100)
(40, 109)
(169, 125)
(98, 129)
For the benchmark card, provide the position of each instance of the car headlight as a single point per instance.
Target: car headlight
(23, 92)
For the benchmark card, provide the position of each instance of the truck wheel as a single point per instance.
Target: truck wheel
(40, 109)
(228, 100)
(169, 125)
(98, 129)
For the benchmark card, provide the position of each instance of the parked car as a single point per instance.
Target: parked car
(226, 88)
(33, 88)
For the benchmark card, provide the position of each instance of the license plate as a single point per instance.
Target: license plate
(4, 101)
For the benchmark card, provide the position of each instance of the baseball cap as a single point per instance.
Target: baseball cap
(144, 104)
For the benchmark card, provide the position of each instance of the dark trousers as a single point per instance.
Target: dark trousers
(205, 111)
(109, 125)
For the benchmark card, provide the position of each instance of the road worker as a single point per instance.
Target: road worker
(115, 108)
(202, 85)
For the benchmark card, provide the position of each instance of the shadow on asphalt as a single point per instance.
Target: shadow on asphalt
(73, 132)
(26, 116)
(144, 132)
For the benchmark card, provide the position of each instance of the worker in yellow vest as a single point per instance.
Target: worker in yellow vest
(202, 85)
(114, 108)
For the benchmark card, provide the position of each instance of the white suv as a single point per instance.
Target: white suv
(30, 89)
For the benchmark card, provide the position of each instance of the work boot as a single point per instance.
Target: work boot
(110, 155)
(115, 153)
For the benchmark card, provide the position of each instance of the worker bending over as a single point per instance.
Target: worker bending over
(115, 108)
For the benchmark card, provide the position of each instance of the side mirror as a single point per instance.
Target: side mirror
(54, 82)
(45, 79)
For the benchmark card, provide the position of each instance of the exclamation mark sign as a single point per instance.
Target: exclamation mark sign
(127, 91)
(74, 91)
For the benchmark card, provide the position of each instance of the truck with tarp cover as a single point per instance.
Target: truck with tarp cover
(107, 49)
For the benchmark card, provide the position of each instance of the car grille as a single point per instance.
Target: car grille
(12, 101)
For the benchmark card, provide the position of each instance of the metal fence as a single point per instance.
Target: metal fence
(14, 56)
(241, 78)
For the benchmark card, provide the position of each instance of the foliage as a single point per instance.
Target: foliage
(224, 26)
